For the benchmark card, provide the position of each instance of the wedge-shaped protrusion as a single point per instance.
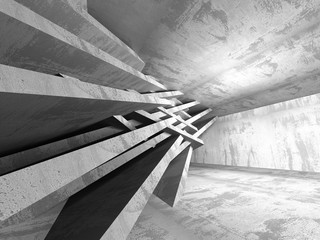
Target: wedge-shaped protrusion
(109, 208)
(34, 228)
(40, 225)
(167, 94)
(33, 190)
(120, 121)
(37, 108)
(171, 187)
(69, 16)
(35, 155)
(48, 48)
(172, 184)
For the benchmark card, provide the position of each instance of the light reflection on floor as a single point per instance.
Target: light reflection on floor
(230, 204)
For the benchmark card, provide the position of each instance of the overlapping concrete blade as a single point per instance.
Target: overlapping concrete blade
(42, 107)
(196, 118)
(171, 186)
(164, 94)
(48, 48)
(35, 155)
(188, 127)
(109, 208)
(193, 139)
(33, 190)
(120, 121)
(67, 15)
(183, 113)
(40, 225)
(34, 228)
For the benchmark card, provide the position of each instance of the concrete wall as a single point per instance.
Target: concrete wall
(282, 136)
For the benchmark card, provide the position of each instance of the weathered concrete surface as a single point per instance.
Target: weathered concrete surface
(231, 205)
(109, 208)
(49, 48)
(189, 127)
(172, 183)
(34, 228)
(230, 55)
(68, 15)
(35, 155)
(39, 226)
(131, 21)
(166, 94)
(42, 107)
(282, 136)
(227, 53)
(33, 190)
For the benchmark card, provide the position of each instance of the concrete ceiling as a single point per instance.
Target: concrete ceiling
(231, 55)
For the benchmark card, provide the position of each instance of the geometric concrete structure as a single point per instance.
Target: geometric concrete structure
(85, 27)
(173, 180)
(86, 137)
(104, 105)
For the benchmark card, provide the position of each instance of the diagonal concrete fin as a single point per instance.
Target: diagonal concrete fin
(49, 48)
(172, 183)
(109, 208)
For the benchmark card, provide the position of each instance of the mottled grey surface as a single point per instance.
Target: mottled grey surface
(230, 55)
(281, 136)
(229, 205)
(72, 16)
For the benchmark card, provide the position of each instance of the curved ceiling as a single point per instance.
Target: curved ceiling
(231, 55)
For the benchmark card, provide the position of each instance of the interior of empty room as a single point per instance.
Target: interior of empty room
(160, 119)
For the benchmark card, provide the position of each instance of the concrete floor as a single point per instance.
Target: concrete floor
(235, 203)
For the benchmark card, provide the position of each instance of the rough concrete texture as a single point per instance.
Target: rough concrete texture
(138, 18)
(172, 183)
(109, 209)
(231, 205)
(42, 107)
(282, 136)
(230, 55)
(34, 228)
(49, 48)
(85, 27)
(30, 191)
(226, 53)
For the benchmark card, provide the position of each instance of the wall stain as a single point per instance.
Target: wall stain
(206, 10)
(268, 67)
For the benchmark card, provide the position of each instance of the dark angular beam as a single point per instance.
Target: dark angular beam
(120, 121)
(172, 183)
(109, 208)
(48, 48)
(83, 25)
(35, 155)
(33, 190)
(42, 107)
